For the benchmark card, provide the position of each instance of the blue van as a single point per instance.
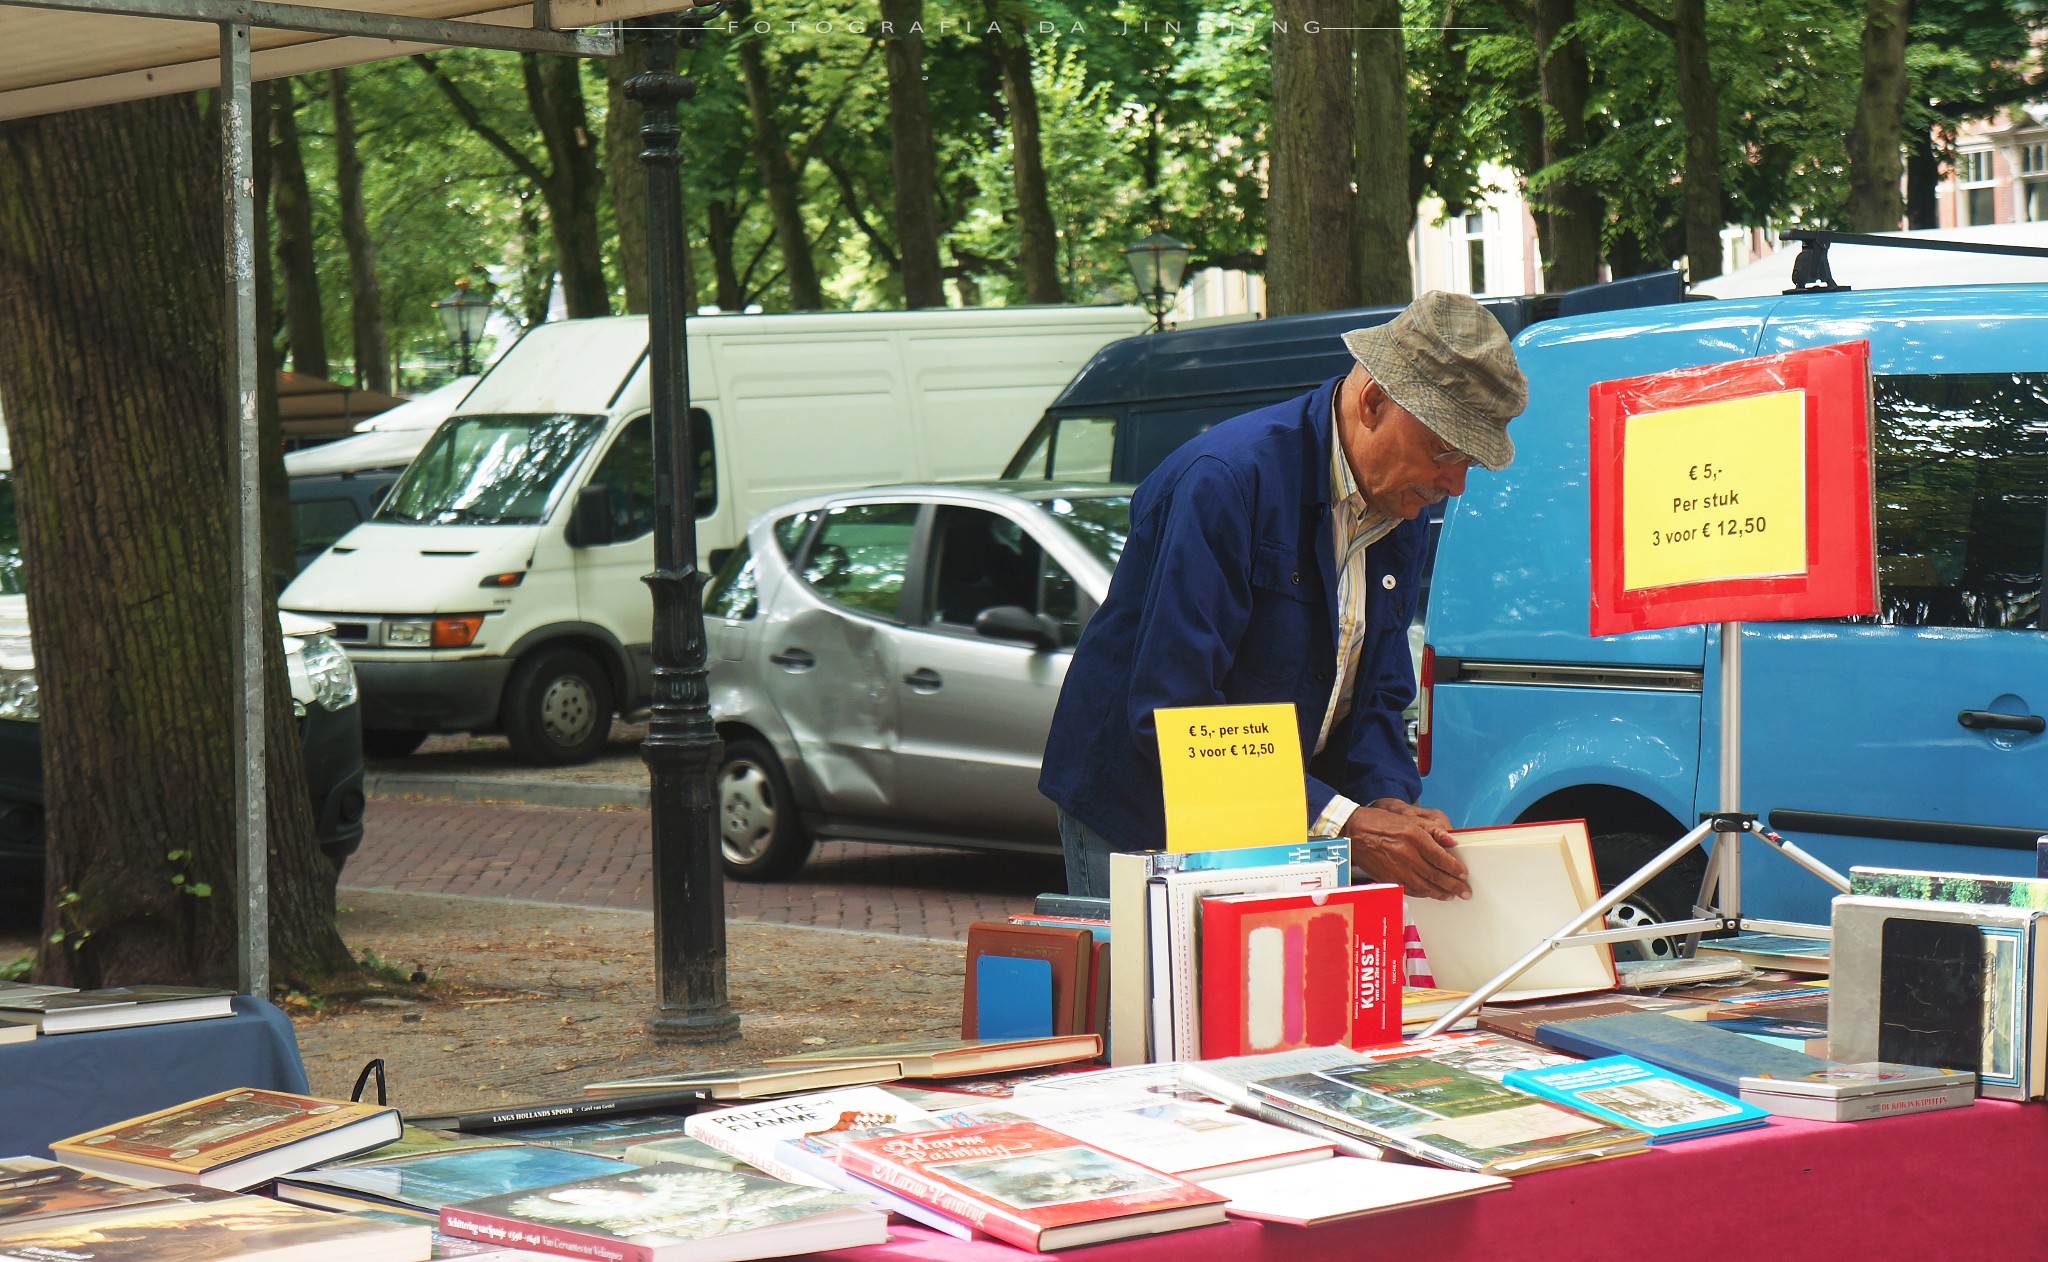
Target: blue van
(1910, 739)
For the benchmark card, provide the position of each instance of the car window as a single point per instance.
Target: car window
(491, 470)
(790, 531)
(1961, 470)
(626, 474)
(1100, 522)
(861, 554)
(979, 560)
(733, 592)
(10, 539)
(318, 525)
(1081, 448)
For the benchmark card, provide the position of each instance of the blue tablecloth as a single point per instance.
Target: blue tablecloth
(58, 1085)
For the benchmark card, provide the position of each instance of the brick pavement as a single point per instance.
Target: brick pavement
(602, 858)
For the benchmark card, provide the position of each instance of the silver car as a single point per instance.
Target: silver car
(884, 664)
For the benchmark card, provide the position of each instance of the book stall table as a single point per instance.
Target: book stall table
(1962, 1183)
(62, 1084)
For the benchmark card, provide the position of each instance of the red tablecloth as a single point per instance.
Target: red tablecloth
(1966, 1183)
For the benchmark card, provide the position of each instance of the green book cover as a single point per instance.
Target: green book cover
(2024, 892)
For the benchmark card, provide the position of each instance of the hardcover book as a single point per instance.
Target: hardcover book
(1130, 987)
(216, 1228)
(62, 1011)
(1491, 1056)
(956, 1058)
(681, 1150)
(1012, 968)
(602, 1136)
(1229, 1080)
(2026, 893)
(1450, 1117)
(1628, 1092)
(231, 1139)
(1181, 1137)
(1771, 950)
(757, 1083)
(1953, 985)
(1520, 1021)
(676, 1102)
(1717, 1058)
(1030, 1186)
(670, 1214)
(429, 1181)
(33, 1190)
(1288, 970)
(1855, 1093)
(1344, 1187)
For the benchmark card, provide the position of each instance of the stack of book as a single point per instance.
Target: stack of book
(26, 1010)
(865, 1066)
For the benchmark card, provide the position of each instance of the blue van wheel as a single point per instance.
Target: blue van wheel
(1668, 896)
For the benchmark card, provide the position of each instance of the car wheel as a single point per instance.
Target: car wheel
(760, 836)
(386, 743)
(558, 708)
(1668, 896)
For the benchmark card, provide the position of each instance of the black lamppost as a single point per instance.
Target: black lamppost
(462, 319)
(682, 746)
(1157, 263)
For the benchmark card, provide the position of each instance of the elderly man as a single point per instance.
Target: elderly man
(1278, 558)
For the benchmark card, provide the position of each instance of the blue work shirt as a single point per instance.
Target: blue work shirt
(1225, 594)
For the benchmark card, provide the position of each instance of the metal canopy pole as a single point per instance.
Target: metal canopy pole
(252, 869)
(347, 22)
(682, 746)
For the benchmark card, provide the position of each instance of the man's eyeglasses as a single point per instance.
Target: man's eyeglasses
(1444, 453)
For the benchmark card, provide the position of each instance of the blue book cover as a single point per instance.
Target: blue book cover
(1012, 998)
(1717, 1058)
(438, 1179)
(1624, 1090)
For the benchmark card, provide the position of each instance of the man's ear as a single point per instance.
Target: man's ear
(1371, 404)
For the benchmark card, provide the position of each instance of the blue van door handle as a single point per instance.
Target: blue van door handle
(1981, 720)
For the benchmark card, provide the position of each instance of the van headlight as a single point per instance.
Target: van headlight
(19, 699)
(328, 670)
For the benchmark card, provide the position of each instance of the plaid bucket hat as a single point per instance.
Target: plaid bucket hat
(1446, 360)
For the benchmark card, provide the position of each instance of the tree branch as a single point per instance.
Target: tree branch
(1662, 25)
(809, 148)
(849, 197)
(468, 112)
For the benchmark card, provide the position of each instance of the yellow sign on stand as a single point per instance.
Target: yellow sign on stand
(1232, 776)
(1715, 491)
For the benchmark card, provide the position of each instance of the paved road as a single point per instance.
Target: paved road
(602, 858)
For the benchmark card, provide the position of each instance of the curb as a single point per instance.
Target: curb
(387, 784)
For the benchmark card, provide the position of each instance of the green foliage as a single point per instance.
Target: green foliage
(17, 970)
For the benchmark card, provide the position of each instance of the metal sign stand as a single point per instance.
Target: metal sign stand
(1719, 906)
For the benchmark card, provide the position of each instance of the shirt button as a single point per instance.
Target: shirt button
(1387, 581)
(1295, 578)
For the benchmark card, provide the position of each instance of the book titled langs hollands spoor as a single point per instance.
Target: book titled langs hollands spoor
(1031, 1186)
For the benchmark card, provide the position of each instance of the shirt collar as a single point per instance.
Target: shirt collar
(1345, 496)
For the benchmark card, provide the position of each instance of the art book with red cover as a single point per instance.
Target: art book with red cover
(1301, 969)
(1030, 1186)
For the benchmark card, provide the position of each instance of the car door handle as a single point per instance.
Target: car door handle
(1980, 720)
(793, 659)
(924, 679)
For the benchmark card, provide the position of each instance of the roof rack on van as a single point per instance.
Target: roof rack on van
(1810, 274)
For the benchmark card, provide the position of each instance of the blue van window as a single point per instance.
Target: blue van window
(1962, 499)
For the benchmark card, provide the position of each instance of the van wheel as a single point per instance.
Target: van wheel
(760, 837)
(1669, 896)
(558, 708)
(383, 742)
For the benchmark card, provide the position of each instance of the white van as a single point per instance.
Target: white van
(499, 585)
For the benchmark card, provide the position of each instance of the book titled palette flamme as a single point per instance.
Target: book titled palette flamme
(1301, 969)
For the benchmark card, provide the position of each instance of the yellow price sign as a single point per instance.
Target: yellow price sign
(1715, 491)
(1232, 776)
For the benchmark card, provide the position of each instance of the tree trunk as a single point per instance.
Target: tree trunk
(366, 296)
(1385, 206)
(911, 161)
(1310, 245)
(1923, 177)
(722, 226)
(1038, 243)
(1699, 101)
(1573, 254)
(575, 183)
(536, 265)
(113, 376)
(778, 174)
(1874, 140)
(292, 203)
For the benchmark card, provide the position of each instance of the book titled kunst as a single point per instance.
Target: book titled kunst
(1289, 970)
(1031, 1186)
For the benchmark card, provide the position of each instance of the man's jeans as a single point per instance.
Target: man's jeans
(1087, 854)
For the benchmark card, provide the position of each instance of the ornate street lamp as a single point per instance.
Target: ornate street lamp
(462, 319)
(1157, 263)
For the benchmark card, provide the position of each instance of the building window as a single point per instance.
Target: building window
(2034, 158)
(1978, 201)
(1472, 228)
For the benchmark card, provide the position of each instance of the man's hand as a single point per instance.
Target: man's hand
(1392, 840)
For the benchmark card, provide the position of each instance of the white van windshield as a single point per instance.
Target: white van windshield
(490, 470)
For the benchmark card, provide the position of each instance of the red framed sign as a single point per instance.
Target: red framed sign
(1734, 492)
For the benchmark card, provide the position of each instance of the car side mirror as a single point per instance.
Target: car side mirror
(1014, 622)
(590, 519)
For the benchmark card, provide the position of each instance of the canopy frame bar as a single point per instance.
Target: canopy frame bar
(603, 42)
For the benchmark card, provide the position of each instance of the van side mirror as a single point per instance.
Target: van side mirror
(590, 519)
(1014, 622)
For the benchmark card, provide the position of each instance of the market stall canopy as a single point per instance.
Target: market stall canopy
(69, 54)
(313, 407)
(1874, 267)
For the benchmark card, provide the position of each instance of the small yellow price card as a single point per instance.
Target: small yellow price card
(1232, 776)
(1715, 491)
